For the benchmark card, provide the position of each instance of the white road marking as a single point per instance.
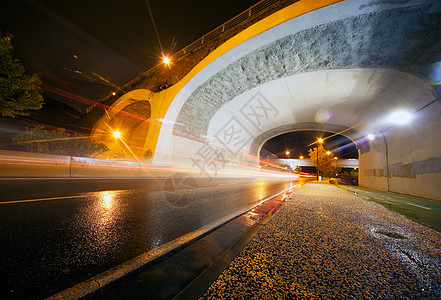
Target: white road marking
(419, 206)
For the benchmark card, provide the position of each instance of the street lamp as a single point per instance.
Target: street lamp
(301, 157)
(320, 141)
(396, 118)
(287, 153)
(116, 134)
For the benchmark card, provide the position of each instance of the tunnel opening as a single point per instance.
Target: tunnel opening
(292, 151)
(133, 123)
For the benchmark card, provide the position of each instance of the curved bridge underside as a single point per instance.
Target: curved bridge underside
(339, 66)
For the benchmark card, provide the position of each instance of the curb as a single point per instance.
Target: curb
(100, 281)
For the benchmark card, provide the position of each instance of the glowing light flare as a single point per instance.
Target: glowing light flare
(328, 152)
(435, 74)
(166, 60)
(400, 117)
(323, 115)
(371, 137)
(320, 141)
(117, 134)
(301, 157)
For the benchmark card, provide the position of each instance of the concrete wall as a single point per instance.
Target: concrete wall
(414, 156)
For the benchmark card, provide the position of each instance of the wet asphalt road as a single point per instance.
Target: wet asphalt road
(57, 232)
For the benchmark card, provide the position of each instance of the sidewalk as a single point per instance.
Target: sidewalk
(327, 243)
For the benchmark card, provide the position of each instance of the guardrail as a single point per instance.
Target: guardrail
(29, 165)
(256, 8)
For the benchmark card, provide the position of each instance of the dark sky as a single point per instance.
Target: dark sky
(298, 143)
(74, 43)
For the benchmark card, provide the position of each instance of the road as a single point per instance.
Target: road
(58, 232)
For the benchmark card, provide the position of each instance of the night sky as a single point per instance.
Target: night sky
(298, 143)
(74, 43)
(84, 48)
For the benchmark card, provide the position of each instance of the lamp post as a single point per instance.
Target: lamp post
(320, 141)
(387, 160)
(396, 118)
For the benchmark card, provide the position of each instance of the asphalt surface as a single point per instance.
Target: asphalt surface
(327, 243)
(58, 232)
(189, 272)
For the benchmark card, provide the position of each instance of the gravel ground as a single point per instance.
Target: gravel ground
(327, 243)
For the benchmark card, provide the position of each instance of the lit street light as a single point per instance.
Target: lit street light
(396, 118)
(117, 134)
(320, 141)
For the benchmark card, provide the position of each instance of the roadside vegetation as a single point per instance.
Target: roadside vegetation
(58, 141)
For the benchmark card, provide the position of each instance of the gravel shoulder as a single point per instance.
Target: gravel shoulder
(327, 243)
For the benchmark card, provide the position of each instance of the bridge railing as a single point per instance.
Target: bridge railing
(249, 15)
(250, 12)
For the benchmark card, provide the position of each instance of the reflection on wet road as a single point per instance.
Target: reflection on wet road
(79, 228)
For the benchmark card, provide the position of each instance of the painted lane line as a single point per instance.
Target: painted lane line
(419, 206)
(42, 199)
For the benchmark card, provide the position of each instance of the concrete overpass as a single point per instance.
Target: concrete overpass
(338, 66)
(307, 162)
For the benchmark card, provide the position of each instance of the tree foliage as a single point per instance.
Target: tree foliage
(326, 162)
(19, 92)
(58, 141)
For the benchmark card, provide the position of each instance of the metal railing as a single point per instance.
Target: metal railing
(256, 8)
(238, 19)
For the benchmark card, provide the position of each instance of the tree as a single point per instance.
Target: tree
(19, 92)
(38, 139)
(326, 162)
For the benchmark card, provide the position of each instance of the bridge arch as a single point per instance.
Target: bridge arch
(351, 134)
(316, 64)
(131, 116)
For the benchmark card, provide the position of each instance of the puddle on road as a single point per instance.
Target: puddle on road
(393, 235)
